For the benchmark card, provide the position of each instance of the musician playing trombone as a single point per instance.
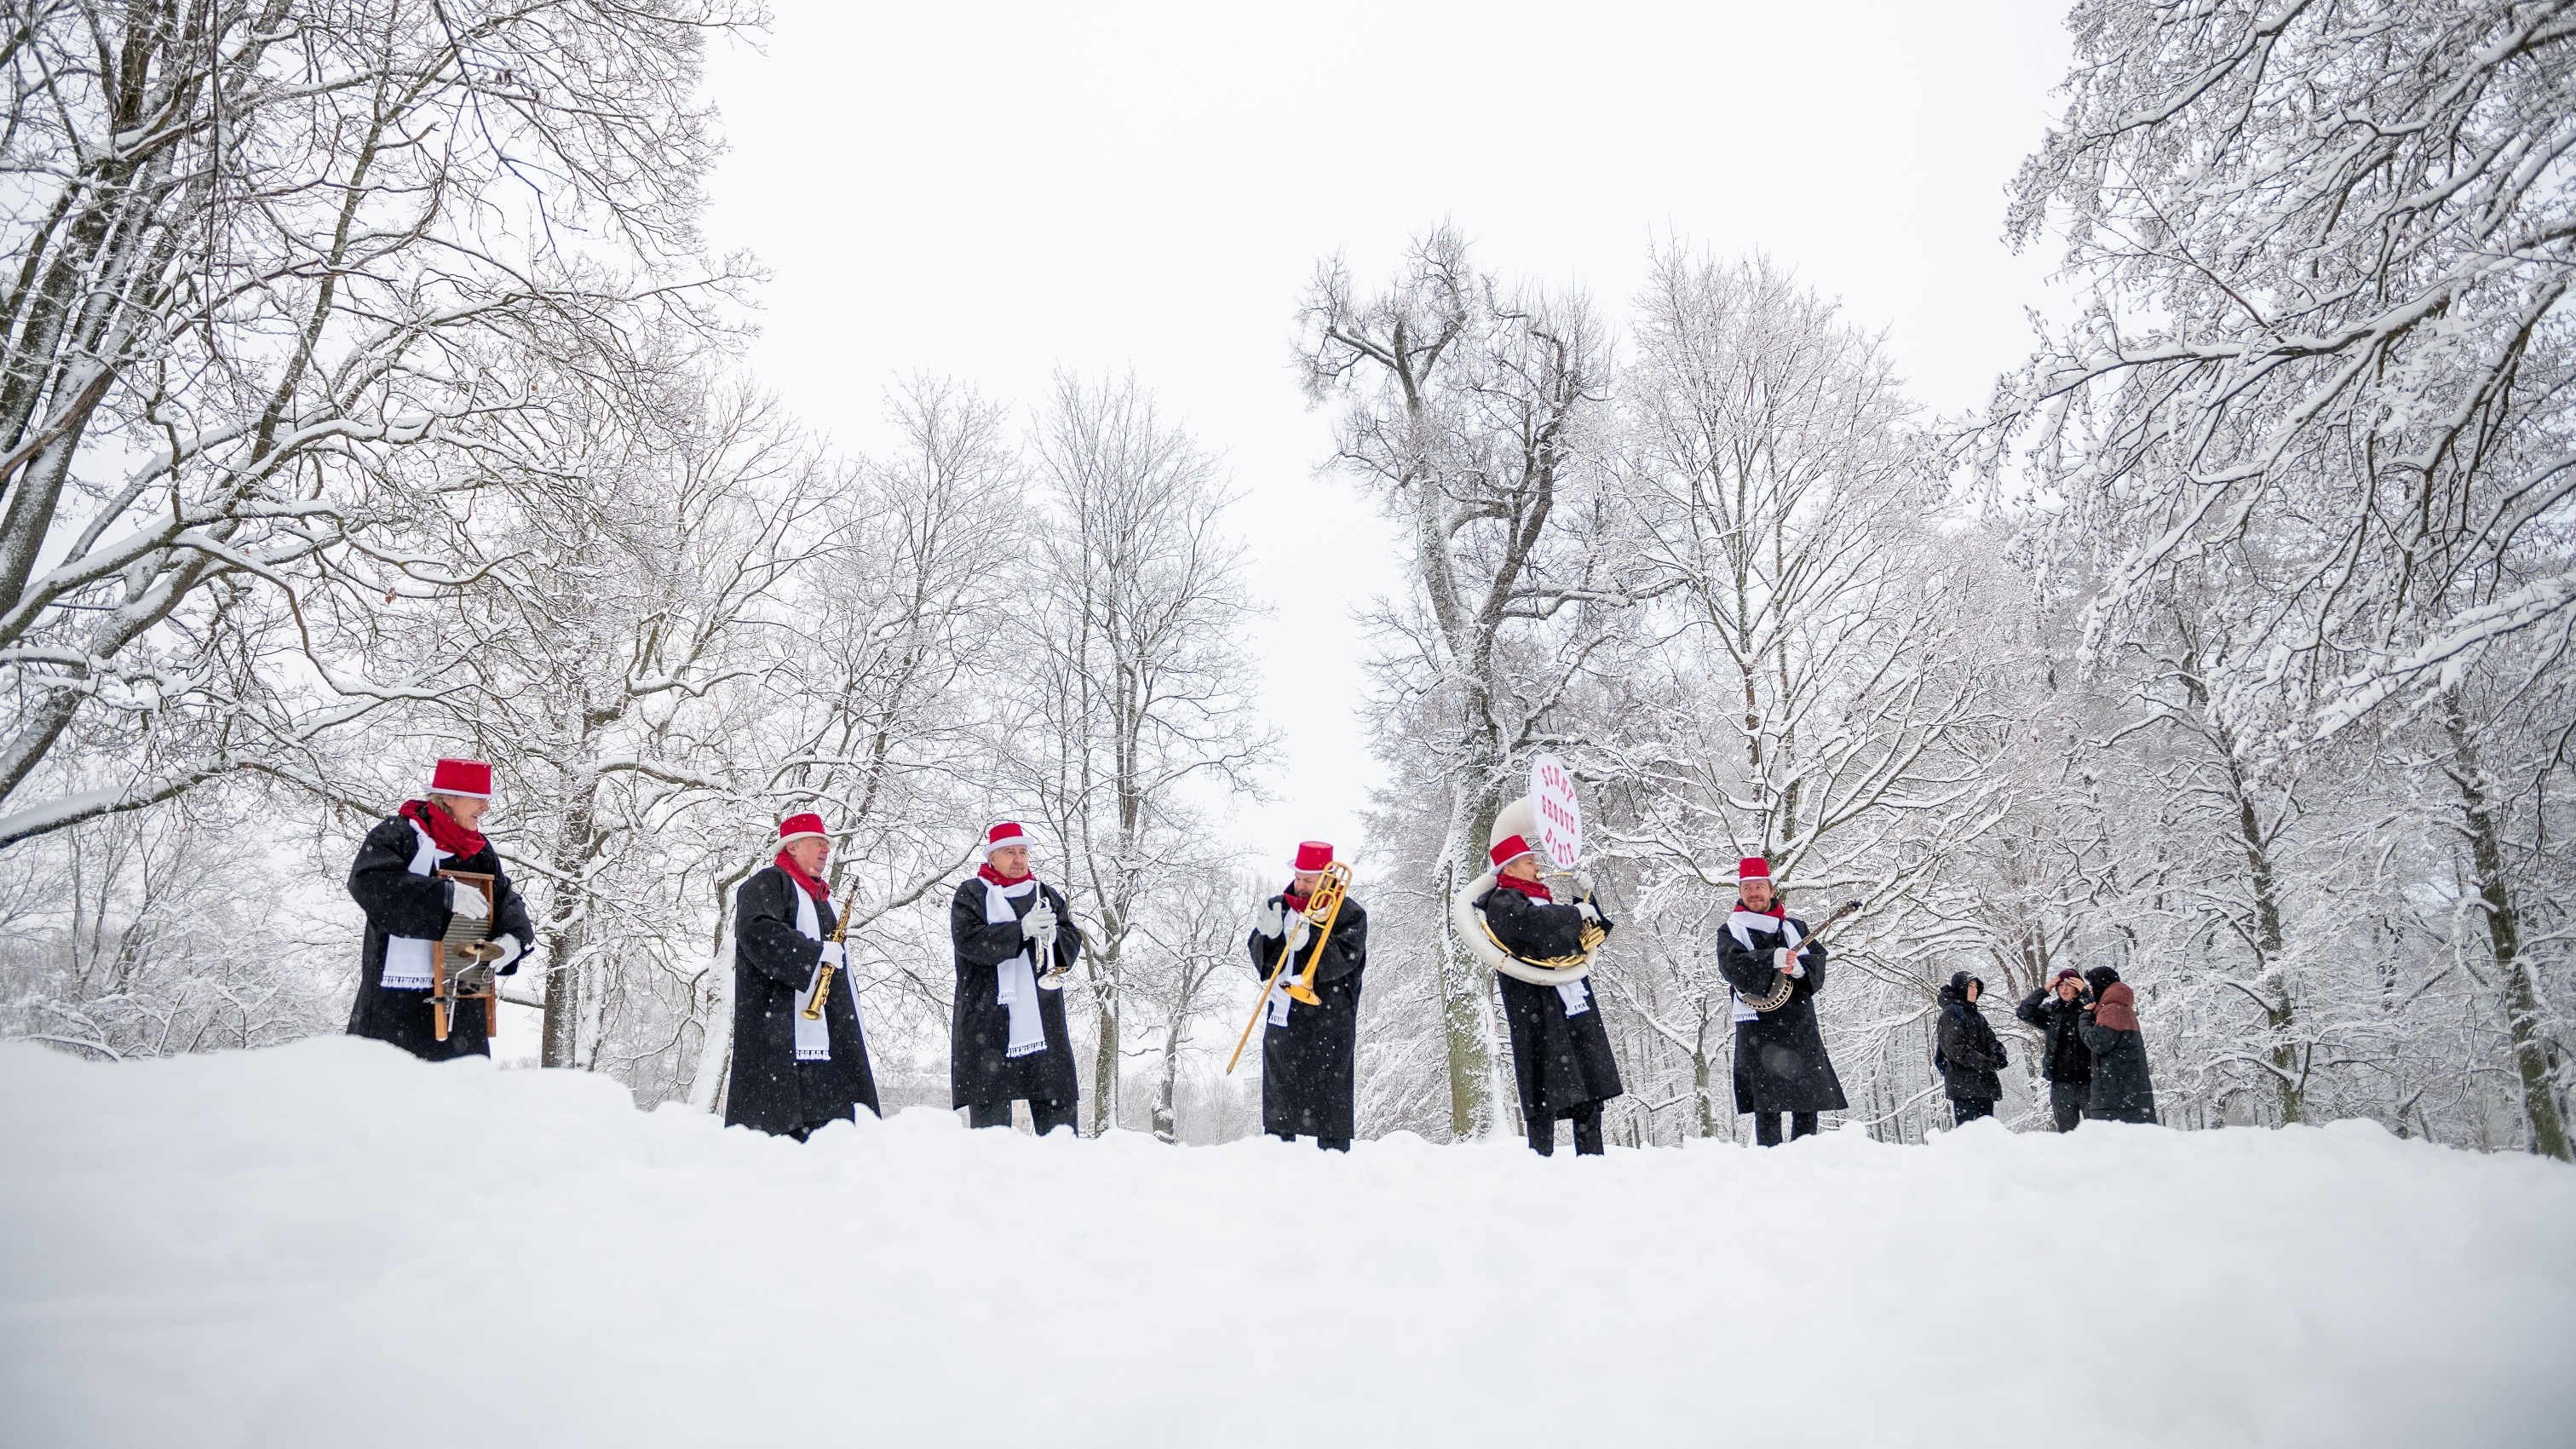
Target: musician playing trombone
(1560, 1050)
(1310, 1049)
(1007, 1040)
(794, 1068)
(408, 906)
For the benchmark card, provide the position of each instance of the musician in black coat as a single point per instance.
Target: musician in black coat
(1969, 1052)
(408, 908)
(791, 1075)
(1561, 1057)
(1780, 1062)
(1007, 1039)
(1310, 1050)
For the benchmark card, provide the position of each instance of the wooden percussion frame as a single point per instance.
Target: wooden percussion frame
(463, 945)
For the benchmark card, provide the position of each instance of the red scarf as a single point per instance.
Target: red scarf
(1293, 901)
(443, 830)
(996, 877)
(1779, 907)
(822, 895)
(1535, 890)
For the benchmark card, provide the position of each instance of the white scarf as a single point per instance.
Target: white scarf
(1577, 997)
(813, 1038)
(408, 958)
(1745, 925)
(1019, 977)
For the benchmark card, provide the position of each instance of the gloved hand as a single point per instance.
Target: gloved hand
(1040, 921)
(506, 958)
(464, 900)
(1787, 960)
(1271, 919)
(1582, 883)
(1299, 932)
(1590, 913)
(835, 955)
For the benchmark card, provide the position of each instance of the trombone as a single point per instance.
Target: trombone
(1328, 896)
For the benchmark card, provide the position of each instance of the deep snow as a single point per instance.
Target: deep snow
(332, 1244)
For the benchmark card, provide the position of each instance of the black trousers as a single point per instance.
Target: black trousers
(1964, 1110)
(1329, 1144)
(2066, 1103)
(1045, 1116)
(1587, 1132)
(1766, 1127)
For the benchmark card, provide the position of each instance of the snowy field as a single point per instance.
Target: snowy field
(332, 1245)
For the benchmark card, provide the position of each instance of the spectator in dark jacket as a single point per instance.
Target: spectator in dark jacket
(1969, 1052)
(2121, 1090)
(2057, 1009)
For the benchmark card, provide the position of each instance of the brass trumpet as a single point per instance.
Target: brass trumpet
(1321, 909)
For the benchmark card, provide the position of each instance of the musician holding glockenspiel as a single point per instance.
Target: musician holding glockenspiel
(443, 920)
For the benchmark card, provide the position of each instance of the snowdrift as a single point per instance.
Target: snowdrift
(333, 1245)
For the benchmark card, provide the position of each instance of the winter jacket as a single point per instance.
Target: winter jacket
(1561, 1056)
(1970, 1052)
(2063, 1057)
(2121, 1089)
(981, 1070)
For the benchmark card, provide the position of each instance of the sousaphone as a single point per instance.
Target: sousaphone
(1564, 832)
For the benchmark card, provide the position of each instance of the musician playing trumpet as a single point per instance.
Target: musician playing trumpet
(794, 1067)
(1007, 1040)
(1310, 1039)
(1560, 1050)
(409, 906)
(1780, 1063)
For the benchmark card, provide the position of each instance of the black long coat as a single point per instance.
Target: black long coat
(1309, 1068)
(772, 962)
(1560, 1062)
(981, 1071)
(2121, 1089)
(1780, 1061)
(2064, 1058)
(1970, 1052)
(399, 903)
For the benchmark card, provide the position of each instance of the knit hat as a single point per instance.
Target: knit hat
(2069, 974)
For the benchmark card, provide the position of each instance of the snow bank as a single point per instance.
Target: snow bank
(331, 1244)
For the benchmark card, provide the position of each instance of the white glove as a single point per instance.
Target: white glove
(1040, 921)
(1588, 912)
(1271, 919)
(508, 946)
(464, 900)
(1298, 932)
(835, 955)
(1582, 886)
(1787, 960)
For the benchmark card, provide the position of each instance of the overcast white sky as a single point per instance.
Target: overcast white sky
(991, 191)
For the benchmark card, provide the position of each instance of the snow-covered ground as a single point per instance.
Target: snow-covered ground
(330, 1244)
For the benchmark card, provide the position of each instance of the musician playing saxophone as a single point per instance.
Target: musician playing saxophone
(1310, 1049)
(793, 1072)
(1780, 1062)
(1560, 1049)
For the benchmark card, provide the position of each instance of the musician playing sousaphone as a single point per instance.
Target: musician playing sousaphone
(410, 907)
(1775, 972)
(1310, 1040)
(1542, 947)
(1007, 1040)
(800, 1050)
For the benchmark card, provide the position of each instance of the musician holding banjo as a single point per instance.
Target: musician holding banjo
(405, 880)
(1310, 1047)
(800, 1051)
(1007, 1039)
(1775, 971)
